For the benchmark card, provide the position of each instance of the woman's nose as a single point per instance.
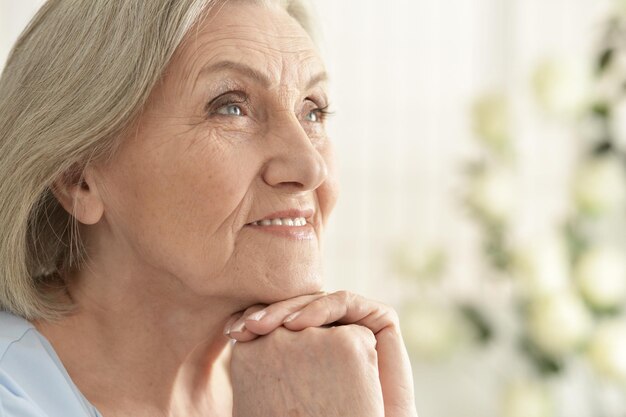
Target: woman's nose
(294, 164)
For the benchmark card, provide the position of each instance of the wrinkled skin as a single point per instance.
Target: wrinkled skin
(232, 133)
(305, 374)
(365, 321)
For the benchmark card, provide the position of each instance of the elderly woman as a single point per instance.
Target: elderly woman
(165, 180)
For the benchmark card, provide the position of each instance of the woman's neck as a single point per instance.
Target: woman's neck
(133, 351)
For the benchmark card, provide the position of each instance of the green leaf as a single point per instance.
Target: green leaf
(479, 322)
(601, 109)
(603, 148)
(605, 59)
(545, 364)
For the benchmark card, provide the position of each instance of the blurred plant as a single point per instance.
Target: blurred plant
(601, 275)
(492, 194)
(434, 331)
(492, 121)
(568, 279)
(617, 126)
(411, 262)
(569, 286)
(561, 86)
(543, 266)
(601, 185)
(558, 324)
(606, 351)
(527, 398)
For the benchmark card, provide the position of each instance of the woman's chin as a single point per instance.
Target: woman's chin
(283, 286)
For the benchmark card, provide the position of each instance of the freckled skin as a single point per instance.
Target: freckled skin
(181, 190)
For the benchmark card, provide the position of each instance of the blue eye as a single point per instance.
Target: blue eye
(313, 116)
(316, 114)
(230, 110)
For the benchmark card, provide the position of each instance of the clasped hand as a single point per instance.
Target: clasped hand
(332, 355)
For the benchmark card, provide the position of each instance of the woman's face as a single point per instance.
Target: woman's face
(233, 134)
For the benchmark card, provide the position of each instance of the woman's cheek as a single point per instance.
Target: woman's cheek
(328, 192)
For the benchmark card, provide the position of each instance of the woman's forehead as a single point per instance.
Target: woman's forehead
(263, 38)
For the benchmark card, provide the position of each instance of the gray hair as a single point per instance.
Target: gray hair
(74, 82)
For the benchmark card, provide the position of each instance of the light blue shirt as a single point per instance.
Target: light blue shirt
(33, 381)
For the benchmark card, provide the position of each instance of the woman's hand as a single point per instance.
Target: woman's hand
(341, 308)
(331, 372)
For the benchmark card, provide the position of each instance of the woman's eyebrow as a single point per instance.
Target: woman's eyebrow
(254, 74)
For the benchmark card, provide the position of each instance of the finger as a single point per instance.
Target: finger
(236, 329)
(394, 370)
(272, 316)
(345, 308)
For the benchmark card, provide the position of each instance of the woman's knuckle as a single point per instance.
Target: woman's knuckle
(324, 305)
(365, 335)
(343, 296)
(392, 316)
(353, 337)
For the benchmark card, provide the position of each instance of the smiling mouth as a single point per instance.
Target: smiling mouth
(285, 221)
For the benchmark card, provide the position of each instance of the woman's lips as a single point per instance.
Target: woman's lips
(285, 221)
(294, 228)
(294, 224)
(289, 214)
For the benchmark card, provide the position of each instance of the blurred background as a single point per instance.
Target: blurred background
(482, 154)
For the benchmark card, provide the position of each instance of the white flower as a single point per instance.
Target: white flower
(601, 275)
(543, 266)
(432, 331)
(601, 186)
(559, 323)
(494, 193)
(527, 399)
(491, 120)
(419, 262)
(607, 350)
(562, 86)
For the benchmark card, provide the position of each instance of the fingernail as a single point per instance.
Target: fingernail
(229, 324)
(238, 327)
(227, 328)
(291, 317)
(257, 316)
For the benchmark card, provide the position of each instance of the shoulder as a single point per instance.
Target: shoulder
(33, 382)
(14, 400)
(12, 330)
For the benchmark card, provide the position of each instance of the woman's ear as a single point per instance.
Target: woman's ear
(79, 195)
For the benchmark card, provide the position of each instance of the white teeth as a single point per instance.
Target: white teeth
(298, 221)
